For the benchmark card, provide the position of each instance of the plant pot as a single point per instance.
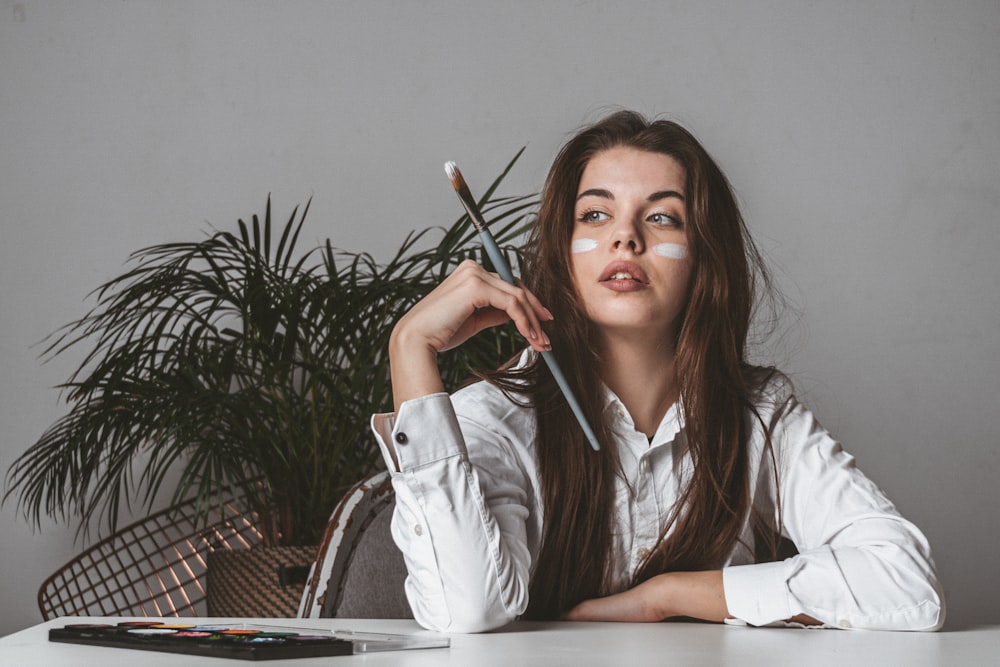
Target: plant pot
(260, 582)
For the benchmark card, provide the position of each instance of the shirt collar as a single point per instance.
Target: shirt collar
(671, 424)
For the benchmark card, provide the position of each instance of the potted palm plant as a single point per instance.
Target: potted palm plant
(247, 366)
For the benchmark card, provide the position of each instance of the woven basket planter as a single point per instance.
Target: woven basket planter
(262, 582)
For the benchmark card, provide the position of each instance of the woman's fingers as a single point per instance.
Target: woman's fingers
(465, 303)
(471, 300)
(513, 302)
(544, 313)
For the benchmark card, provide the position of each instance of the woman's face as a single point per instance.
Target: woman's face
(629, 257)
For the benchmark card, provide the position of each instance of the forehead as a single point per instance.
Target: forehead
(626, 170)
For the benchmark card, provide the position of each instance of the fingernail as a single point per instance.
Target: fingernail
(532, 334)
(548, 313)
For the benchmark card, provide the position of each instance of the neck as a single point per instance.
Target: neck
(643, 377)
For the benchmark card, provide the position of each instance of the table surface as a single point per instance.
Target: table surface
(576, 644)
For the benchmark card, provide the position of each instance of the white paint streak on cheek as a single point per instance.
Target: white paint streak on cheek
(671, 250)
(583, 245)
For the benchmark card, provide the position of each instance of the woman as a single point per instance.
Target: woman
(640, 277)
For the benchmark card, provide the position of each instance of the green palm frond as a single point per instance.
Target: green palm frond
(249, 365)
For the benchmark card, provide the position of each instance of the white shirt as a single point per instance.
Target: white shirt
(468, 516)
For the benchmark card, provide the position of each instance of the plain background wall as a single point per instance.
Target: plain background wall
(862, 137)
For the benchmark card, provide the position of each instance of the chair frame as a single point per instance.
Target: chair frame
(153, 567)
(349, 519)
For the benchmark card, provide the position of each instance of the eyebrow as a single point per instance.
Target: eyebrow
(606, 194)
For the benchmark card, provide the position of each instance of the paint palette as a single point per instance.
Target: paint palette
(241, 642)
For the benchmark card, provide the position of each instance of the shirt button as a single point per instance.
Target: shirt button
(418, 530)
(844, 623)
(643, 553)
(402, 438)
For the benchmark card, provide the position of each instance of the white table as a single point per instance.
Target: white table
(575, 644)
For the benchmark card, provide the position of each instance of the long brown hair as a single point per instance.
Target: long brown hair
(715, 381)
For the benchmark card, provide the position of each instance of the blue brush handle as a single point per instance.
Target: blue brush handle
(503, 268)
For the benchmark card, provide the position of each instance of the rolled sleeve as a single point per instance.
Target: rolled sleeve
(466, 557)
(860, 563)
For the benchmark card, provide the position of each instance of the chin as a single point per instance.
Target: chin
(624, 324)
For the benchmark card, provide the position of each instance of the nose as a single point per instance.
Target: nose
(626, 234)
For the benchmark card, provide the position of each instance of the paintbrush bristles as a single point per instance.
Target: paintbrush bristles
(457, 182)
(454, 175)
(464, 194)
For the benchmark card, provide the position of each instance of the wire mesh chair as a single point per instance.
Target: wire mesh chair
(154, 567)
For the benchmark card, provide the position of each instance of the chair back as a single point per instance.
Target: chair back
(359, 571)
(154, 567)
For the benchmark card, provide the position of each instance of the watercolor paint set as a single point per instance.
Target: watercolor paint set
(242, 641)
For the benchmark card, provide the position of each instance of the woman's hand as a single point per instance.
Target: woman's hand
(465, 303)
(691, 594)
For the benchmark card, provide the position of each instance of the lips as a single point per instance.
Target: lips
(623, 271)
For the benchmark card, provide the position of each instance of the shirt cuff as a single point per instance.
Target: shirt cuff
(381, 424)
(758, 594)
(424, 430)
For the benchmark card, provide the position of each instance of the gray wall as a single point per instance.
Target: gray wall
(862, 138)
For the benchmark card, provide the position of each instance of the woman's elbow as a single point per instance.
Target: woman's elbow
(481, 623)
(932, 613)
(465, 622)
(925, 614)
(465, 608)
(464, 615)
(928, 614)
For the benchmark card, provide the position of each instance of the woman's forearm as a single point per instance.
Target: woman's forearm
(698, 595)
(413, 369)
(691, 594)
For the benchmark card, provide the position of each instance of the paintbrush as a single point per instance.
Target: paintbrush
(503, 268)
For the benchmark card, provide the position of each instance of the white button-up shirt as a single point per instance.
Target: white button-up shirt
(469, 518)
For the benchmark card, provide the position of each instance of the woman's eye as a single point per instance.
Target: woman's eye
(593, 216)
(664, 219)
